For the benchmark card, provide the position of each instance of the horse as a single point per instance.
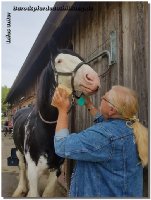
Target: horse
(34, 127)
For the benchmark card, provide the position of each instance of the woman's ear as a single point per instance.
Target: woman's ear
(112, 111)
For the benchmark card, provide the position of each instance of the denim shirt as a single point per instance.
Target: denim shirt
(107, 160)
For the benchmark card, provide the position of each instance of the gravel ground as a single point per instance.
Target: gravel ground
(10, 174)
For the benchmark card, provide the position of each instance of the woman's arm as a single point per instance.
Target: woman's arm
(62, 122)
(92, 144)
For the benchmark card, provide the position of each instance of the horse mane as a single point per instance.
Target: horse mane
(46, 88)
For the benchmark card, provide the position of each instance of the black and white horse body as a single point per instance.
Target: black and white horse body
(34, 138)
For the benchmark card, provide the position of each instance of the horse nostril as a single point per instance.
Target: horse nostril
(88, 77)
(97, 89)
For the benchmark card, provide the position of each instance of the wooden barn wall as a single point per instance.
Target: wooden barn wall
(91, 31)
(25, 99)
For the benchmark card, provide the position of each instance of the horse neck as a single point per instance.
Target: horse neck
(45, 93)
(49, 113)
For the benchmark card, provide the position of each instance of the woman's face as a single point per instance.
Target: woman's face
(107, 108)
(104, 107)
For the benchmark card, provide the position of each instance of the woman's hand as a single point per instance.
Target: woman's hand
(61, 100)
(89, 105)
(88, 101)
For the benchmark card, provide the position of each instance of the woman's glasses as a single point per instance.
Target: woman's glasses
(108, 101)
(120, 111)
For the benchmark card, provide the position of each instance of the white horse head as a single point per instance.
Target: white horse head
(86, 80)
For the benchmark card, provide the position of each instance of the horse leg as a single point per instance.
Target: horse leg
(22, 185)
(51, 185)
(32, 174)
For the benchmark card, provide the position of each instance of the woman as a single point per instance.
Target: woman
(111, 154)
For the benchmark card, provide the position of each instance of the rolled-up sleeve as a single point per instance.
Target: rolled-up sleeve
(61, 134)
(91, 144)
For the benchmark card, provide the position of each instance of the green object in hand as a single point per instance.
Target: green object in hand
(81, 101)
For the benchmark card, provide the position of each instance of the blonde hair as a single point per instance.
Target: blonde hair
(126, 103)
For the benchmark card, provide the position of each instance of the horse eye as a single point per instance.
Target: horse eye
(59, 61)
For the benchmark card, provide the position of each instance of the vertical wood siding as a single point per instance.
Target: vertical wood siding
(92, 29)
(130, 20)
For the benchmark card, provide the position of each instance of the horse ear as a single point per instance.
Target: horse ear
(70, 46)
(53, 49)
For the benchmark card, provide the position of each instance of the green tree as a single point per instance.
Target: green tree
(5, 91)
